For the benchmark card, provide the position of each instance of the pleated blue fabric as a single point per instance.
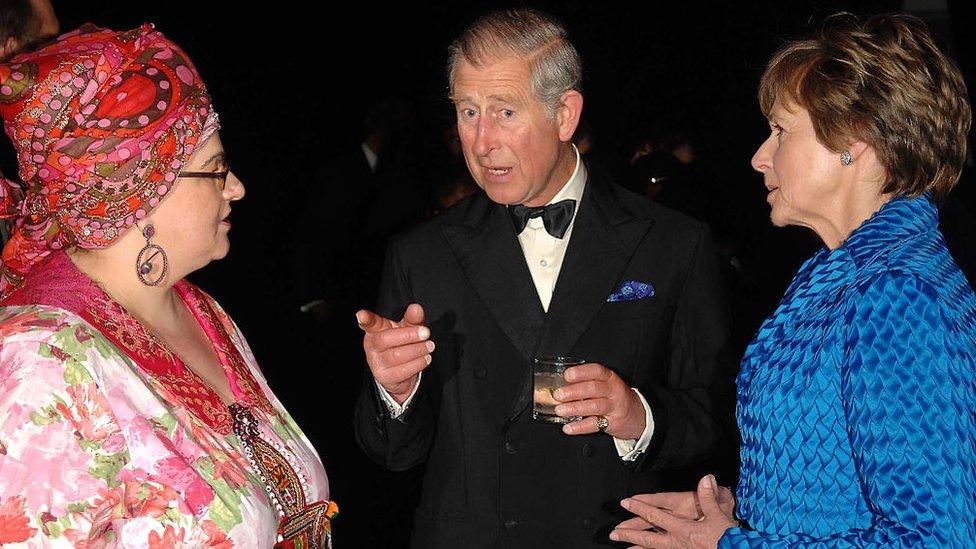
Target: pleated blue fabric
(856, 399)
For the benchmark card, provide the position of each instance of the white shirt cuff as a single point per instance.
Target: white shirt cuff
(630, 449)
(395, 408)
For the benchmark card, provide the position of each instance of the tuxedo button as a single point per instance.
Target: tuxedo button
(480, 373)
(544, 263)
(587, 523)
(587, 450)
(511, 524)
(511, 448)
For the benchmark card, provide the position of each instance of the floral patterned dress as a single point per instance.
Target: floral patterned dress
(108, 440)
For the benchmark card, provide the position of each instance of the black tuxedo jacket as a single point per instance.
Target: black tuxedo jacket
(496, 478)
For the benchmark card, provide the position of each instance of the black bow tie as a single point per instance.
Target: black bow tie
(555, 217)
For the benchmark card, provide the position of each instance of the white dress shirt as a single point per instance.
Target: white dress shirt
(544, 255)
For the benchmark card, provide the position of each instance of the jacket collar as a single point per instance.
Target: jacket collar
(897, 222)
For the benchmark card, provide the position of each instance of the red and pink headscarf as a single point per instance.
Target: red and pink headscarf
(102, 122)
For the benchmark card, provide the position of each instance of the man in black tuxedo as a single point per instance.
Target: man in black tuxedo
(549, 260)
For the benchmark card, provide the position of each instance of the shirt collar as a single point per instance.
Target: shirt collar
(573, 189)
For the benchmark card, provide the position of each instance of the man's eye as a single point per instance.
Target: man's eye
(508, 113)
(467, 113)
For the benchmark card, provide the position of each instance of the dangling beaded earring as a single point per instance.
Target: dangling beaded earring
(846, 158)
(148, 253)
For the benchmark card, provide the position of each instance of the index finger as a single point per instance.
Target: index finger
(371, 322)
(588, 371)
(636, 523)
(672, 501)
(654, 515)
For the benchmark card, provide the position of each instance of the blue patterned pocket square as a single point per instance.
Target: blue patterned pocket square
(632, 290)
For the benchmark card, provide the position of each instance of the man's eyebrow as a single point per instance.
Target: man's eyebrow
(493, 97)
(505, 98)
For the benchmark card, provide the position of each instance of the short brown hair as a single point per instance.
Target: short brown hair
(883, 82)
(540, 39)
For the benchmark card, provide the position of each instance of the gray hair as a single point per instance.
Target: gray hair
(531, 35)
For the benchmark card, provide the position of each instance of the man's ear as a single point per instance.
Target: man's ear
(568, 114)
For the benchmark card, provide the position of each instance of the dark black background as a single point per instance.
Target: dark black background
(291, 85)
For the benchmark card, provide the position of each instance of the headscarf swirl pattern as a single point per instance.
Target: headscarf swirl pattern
(102, 122)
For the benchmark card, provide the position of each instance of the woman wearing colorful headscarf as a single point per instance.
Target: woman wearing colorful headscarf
(132, 411)
(856, 400)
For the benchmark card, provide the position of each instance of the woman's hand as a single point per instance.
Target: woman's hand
(678, 519)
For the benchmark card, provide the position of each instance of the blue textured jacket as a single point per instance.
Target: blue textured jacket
(856, 399)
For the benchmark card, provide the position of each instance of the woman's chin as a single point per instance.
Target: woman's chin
(221, 251)
(777, 221)
(779, 218)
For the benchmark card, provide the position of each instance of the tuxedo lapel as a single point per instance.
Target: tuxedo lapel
(603, 241)
(488, 251)
(604, 238)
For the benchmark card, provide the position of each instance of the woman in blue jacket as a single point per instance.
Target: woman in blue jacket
(856, 399)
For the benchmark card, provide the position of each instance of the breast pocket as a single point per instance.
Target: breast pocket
(617, 335)
(627, 309)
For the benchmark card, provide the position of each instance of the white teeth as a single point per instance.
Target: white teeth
(495, 171)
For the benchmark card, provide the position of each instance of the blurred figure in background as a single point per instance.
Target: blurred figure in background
(25, 23)
(328, 249)
(595, 155)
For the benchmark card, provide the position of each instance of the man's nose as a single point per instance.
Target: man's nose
(486, 137)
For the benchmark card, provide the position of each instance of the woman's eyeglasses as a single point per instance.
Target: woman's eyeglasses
(221, 176)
